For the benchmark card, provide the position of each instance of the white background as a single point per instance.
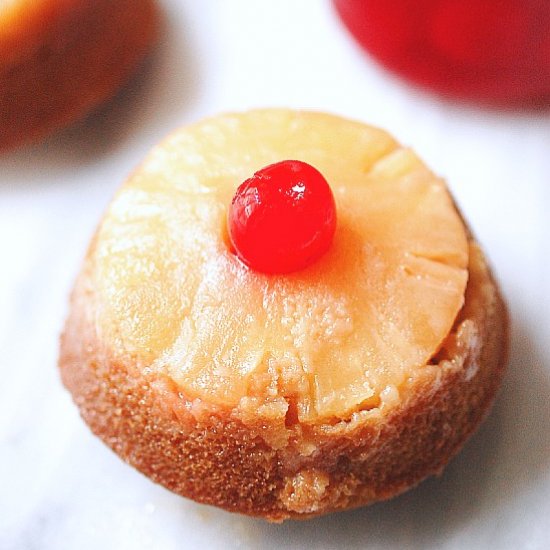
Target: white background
(60, 488)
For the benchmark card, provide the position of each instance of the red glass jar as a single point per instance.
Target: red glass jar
(495, 51)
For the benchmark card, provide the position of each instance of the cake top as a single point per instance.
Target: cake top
(317, 343)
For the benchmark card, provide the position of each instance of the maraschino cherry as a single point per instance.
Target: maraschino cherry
(283, 218)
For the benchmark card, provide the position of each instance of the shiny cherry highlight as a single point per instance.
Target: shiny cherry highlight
(283, 218)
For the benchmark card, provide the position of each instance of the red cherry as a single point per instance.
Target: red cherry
(282, 218)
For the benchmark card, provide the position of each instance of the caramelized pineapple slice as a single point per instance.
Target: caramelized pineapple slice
(319, 343)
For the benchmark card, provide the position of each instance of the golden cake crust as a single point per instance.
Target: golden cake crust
(61, 58)
(295, 471)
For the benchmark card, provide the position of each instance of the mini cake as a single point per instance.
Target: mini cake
(237, 373)
(61, 58)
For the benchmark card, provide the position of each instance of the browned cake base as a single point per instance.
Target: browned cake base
(61, 58)
(296, 471)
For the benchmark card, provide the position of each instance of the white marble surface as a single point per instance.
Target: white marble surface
(60, 488)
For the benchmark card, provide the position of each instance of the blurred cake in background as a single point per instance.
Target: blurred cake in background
(61, 58)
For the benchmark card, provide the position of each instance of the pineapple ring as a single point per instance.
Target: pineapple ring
(288, 387)
(329, 338)
(61, 58)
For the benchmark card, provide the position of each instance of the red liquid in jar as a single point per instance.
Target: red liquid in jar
(495, 51)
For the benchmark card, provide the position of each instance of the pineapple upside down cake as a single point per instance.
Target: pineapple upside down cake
(283, 314)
